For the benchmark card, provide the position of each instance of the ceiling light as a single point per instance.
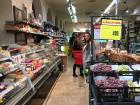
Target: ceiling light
(72, 12)
(75, 19)
(127, 11)
(110, 6)
(73, 9)
(68, 0)
(108, 9)
(98, 20)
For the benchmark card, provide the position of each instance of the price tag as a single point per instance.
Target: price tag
(110, 32)
(111, 29)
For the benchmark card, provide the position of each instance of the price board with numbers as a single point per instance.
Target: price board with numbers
(111, 29)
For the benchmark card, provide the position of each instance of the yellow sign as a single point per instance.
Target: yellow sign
(110, 32)
(111, 22)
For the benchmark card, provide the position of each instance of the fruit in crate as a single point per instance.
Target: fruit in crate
(111, 82)
(102, 68)
(131, 84)
(123, 68)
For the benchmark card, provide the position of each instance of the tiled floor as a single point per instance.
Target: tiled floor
(68, 90)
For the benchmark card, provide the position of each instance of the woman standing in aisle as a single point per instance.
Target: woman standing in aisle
(86, 50)
(77, 54)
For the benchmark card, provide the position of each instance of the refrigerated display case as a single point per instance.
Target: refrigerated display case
(24, 71)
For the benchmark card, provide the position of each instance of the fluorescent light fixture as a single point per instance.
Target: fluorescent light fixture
(127, 11)
(98, 20)
(75, 19)
(107, 10)
(72, 12)
(110, 6)
(73, 9)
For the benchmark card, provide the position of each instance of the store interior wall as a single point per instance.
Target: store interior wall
(6, 15)
(68, 27)
(38, 9)
(43, 8)
(27, 3)
(51, 14)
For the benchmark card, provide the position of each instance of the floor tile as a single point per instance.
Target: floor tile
(68, 90)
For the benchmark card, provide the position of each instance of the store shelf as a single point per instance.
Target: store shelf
(56, 36)
(3, 93)
(10, 71)
(28, 53)
(33, 52)
(33, 25)
(4, 59)
(32, 33)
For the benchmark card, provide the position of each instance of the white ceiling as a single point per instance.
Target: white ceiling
(86, 8)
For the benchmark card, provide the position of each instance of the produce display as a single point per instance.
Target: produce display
(117, 55)
(132, 84)
(110, 88)
(102, 68)
(123, 68)
(111, 82)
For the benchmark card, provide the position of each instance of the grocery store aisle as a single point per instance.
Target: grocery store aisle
(68, 90)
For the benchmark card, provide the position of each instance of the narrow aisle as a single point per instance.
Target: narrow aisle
(68, 90)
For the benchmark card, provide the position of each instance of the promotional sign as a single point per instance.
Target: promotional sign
(97, 31)
(111, 29)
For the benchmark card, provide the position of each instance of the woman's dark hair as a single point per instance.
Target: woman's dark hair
(77, 45)
(88, 41)
(74, 34)
(89, 38)
(87, 32)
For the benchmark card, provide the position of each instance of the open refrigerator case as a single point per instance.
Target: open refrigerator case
(20, 68)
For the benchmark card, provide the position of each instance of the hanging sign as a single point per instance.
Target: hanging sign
(111, 29)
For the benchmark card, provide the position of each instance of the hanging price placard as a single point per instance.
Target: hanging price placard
(111, 29)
